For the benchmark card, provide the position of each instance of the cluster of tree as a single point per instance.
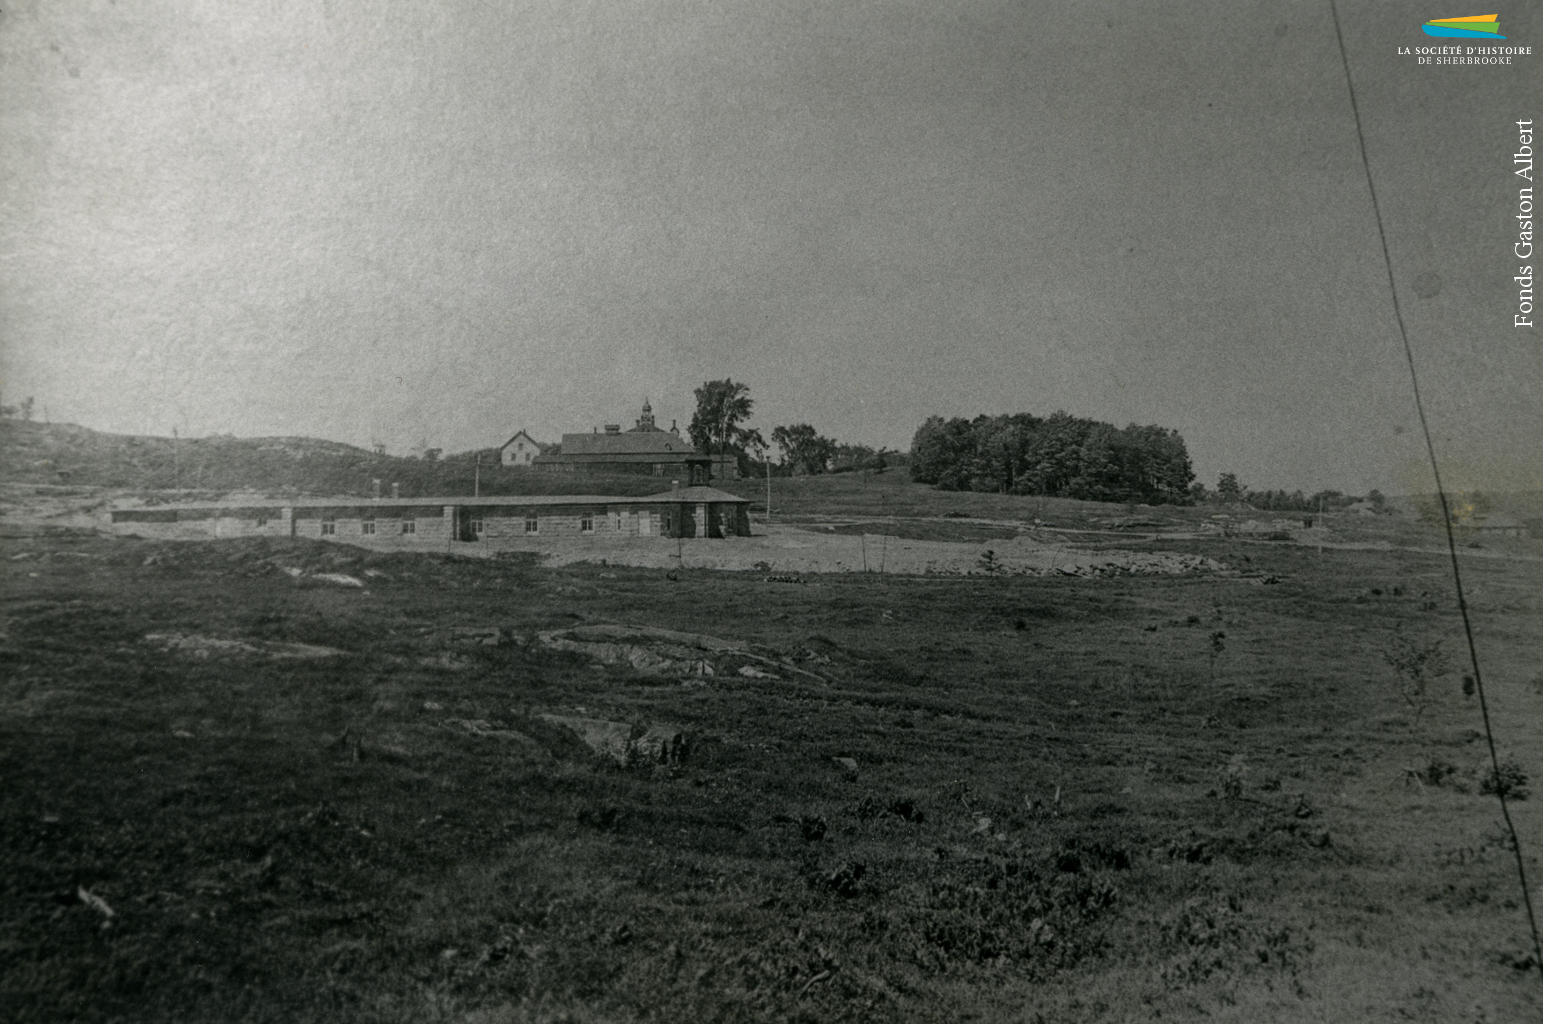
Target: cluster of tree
(1060, 456)
(805, 450)
(1230, 492)
(722, 406)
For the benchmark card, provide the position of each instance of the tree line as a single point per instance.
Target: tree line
(722, 407)
(1060, 455)
(1230, 492)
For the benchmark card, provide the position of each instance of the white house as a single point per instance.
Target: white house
(520, 449)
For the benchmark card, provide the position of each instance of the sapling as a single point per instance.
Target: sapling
(1416, 666)
(1232, 777)
(1218, 645)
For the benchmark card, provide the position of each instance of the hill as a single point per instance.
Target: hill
(67, 454)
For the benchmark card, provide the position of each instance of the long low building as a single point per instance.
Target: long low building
(423, 522)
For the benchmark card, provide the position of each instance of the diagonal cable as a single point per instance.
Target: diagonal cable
(1446, 519)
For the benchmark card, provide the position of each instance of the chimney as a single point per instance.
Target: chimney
(377, 488)
(613, 428)
(396, 490)
(673, 428)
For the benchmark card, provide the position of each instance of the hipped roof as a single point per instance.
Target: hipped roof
(628, 458)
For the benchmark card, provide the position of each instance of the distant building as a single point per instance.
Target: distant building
(646, 449)
(520, 450)
(1498, 525)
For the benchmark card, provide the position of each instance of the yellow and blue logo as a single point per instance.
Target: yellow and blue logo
(1480, 26)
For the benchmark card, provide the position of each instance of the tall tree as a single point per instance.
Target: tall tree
(721, 406)
(803, 449)
(942, 453)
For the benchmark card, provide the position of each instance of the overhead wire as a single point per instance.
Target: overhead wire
(1441, 495)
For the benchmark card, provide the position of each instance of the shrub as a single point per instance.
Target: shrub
(1509, 781)
(1416, 665)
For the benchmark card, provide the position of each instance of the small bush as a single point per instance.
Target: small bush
(845, 881)
(1436, 772)
(1510, 781)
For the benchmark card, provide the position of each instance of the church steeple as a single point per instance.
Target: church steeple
(646, 421)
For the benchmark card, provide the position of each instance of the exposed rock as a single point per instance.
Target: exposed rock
(663, 744)
(651, 652)
(610, 740)
(662, 652)
(196, 646)
(488, 636)
(626, 743)
(616, 632)
(646, 661)
(481, 727)
(341, 579)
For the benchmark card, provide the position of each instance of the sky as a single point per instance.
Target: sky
(438, 224)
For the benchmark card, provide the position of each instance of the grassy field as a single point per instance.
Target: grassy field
(1174, 798)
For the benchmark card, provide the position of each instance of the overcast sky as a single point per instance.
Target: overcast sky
(448, 221)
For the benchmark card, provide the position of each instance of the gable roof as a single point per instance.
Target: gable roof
(540, 447)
